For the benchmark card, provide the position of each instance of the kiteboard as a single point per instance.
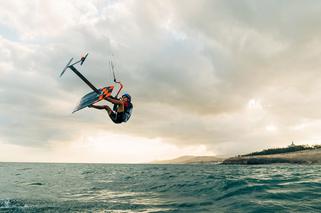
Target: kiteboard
(97, 94)
(93, 97)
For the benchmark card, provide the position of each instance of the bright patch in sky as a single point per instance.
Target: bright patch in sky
(254, 104)
(271, 128)
(115, 148)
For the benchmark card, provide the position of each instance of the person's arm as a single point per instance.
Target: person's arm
(114, 101)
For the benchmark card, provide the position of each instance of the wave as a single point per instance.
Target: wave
(36, 184)
(12, 204)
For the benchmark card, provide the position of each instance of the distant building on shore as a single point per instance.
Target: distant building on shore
(292, 144)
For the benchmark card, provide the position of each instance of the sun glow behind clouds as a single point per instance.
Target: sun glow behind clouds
(254, 104)
(112, 148)
(271, 128)
(102, 148)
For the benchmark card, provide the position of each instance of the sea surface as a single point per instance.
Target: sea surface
(41, 187)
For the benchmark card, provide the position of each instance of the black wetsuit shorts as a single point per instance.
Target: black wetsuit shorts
(118, 117)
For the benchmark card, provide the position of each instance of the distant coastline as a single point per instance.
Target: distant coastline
(294, 154)
(309, 156)
(191, 160)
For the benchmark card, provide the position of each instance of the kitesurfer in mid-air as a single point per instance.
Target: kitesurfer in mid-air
(122, 110)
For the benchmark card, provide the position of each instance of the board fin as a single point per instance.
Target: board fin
(66, 67)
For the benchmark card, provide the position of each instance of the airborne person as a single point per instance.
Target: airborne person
(122, 108)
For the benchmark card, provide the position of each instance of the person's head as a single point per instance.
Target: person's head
(127, 97)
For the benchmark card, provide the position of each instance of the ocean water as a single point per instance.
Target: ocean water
(40, 187)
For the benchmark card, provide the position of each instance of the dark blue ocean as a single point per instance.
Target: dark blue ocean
(40, 187)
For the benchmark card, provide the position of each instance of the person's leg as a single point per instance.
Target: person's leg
(113, 116)
(108, 109)
(98, 107)
(111, 113)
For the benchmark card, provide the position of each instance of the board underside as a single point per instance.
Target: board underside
(93, 97)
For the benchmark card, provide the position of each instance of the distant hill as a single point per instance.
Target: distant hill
(308, 156)
(191, 160)
(291, 148)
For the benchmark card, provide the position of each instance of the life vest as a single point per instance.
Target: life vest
(128, 108)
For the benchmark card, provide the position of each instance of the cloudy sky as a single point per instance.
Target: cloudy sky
(206, 77)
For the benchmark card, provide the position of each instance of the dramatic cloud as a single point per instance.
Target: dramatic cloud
(230, 76)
